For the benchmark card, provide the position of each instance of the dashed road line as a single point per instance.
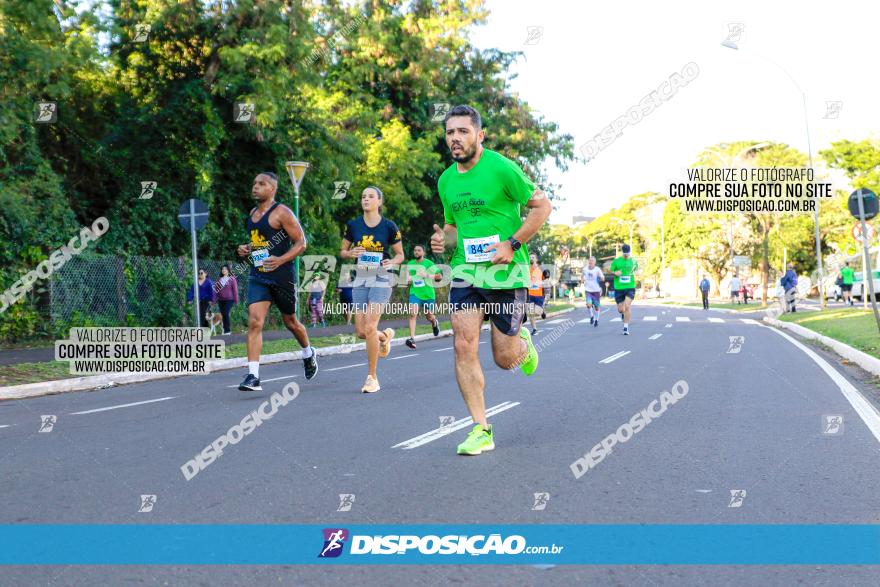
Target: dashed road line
(614, 357)
(149, 401)
(716, 320)
(273, 379)
(654, 336)
(650, 318)
(449, 429)
(682, 319)
(346, 367)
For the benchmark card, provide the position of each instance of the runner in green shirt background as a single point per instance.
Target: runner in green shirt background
(847, 275)
(624, 268)
(420, 272)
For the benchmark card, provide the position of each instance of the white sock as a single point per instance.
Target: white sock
(592, 313)
(254, 368)
(597, 313)
(626, 324)
(307, 352)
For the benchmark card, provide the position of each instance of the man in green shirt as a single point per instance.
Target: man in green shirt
(420, 273)
(624, 269)
(482, 194)
(847, 275)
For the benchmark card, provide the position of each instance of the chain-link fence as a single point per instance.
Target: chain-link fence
(106, 290)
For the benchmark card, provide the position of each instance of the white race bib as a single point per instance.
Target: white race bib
(370, 259)
(475, 248)
(625, 278)
(418, 283)
(259, 256)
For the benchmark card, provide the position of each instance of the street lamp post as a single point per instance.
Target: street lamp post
(296, 170)
(592, 238)
(631, 223)
(732, 45)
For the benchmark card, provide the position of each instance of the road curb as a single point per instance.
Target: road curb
(97, 382)
(862, 359)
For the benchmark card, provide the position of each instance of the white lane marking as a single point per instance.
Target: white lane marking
(669, 325)
(616, 319)
(863, 407)
(346, 367)
(615, 356)
(750, 321)
(5, 425)
(555, 321)
(682, 319)
(703, 490)
(444, 430)
(716, 320)
(149, 401)
(403, 356)
(446, 348)
(650, 318)
(483, 342)
(584, 321)
(268, 380)
(654, 336)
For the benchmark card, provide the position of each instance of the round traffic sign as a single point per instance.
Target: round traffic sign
(857, 232)
(193, 211)
(870, 203)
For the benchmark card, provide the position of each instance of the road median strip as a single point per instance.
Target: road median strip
(862, 359)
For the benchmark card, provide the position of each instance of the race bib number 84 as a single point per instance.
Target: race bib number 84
(475, 248)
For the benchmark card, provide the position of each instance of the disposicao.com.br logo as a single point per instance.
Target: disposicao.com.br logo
(480, 544)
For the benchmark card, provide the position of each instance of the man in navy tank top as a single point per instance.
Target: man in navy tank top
(275, 240)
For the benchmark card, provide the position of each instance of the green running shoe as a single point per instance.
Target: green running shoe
(477, 441)
(530, 363)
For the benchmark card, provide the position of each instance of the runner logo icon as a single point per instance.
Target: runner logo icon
(334, 540)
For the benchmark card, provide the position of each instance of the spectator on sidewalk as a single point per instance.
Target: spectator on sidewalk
(316, 300)
(206, 296)
(735, 287)
(789, 287)
(704, 291)
(226, 290)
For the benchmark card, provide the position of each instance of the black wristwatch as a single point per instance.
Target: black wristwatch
(514, 244)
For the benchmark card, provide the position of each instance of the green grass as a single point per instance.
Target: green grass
(856, 328)
(22, 373)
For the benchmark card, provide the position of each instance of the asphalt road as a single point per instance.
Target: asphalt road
(756, 420)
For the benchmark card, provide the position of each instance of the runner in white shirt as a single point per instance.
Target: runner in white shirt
(593, 279)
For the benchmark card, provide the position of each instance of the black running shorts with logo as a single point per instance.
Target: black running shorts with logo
(506, 308)
(622, 294)
(281, 294)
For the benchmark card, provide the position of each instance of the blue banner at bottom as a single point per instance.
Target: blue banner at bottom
(170, 544)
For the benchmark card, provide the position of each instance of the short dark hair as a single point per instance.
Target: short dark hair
(419, 245)
(270, 174)
(465, 110)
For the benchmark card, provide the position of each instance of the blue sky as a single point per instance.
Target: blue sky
(593, 61)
